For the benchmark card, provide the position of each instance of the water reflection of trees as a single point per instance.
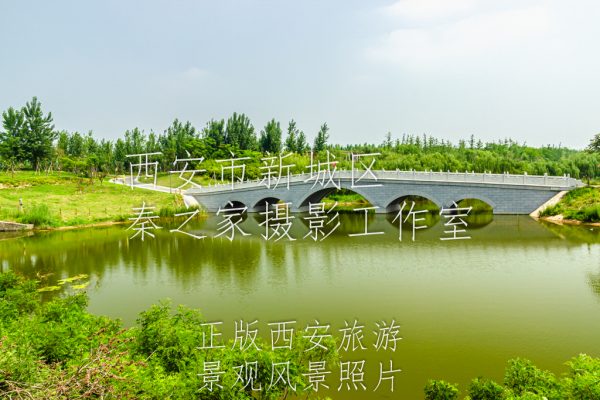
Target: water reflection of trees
(186, 261)
(97, 252)
(574, 233)
(594, 281)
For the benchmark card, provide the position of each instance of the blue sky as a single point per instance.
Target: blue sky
(525, 69)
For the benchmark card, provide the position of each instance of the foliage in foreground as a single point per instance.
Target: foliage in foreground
(57, 350)
(524, 381)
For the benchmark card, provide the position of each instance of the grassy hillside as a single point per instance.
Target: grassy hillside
(63, 199)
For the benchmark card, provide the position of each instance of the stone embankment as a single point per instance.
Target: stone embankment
(14, 227)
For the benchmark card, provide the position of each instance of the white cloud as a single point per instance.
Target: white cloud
(195, 73)
(463, 39)
(427, 9)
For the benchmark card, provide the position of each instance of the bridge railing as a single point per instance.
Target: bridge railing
(562, 182)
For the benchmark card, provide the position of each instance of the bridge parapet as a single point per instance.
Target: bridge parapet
(554, 182)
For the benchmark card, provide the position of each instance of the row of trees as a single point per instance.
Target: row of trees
(29, 140)
(238, 133)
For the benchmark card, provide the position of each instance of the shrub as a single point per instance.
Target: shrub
(171, 339)
(440, 390)
(551, 210)
(583, 380)
(523, 377)
(483, 389)
(39, 215)
(17, 296)
(171, 211)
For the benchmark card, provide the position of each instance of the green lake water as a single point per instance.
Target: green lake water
(516, 288)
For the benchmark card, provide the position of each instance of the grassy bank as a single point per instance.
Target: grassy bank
(62, 199)
(582, 204)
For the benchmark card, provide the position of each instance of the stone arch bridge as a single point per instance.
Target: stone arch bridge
(505, 193)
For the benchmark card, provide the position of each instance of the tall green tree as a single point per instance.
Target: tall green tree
(270, 137)
(214, 132)
(119, 156)
(90, 145)
(301, 143)
(240, 132)
(175, 142)
(39, 134)
(291, 140)
(152, 143)
(594, 145)
(12, 138)
(75, 147)
(62, 144)
(322, 138)
(387, 143)
(135, 141)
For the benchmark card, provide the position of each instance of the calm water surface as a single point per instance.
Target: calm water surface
(517, 288)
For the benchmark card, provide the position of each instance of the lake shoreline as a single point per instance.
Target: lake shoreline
(561, 220)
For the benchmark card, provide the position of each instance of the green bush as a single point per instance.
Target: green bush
(551, 210)
(591, 214)
(522, 377)
(440, 390)
(484, 389)
(171, 211)
(583, 380)
(171, 339)
(39, 215)
(17, 296)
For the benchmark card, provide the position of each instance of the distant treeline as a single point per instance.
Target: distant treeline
(29, 140)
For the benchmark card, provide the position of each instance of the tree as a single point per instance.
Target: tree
(215, 131)
(75, 145)
(270, 137)
(12, 138)
(291, 139)
(594, 145)
(152, 143)
(38, 132)
(135, 141)
(62, 144)
(104, 155)
(240, 132)
(176, 141)
(301, 143)
(322, 138)
(387, 143)
(120, 153)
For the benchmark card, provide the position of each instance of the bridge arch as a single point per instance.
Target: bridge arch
(233, 204)
(471, 196)
(261, 204)
(318, 195)
(393, 203)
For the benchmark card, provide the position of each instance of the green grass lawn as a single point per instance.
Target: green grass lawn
(582, 204)
(62, 199)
